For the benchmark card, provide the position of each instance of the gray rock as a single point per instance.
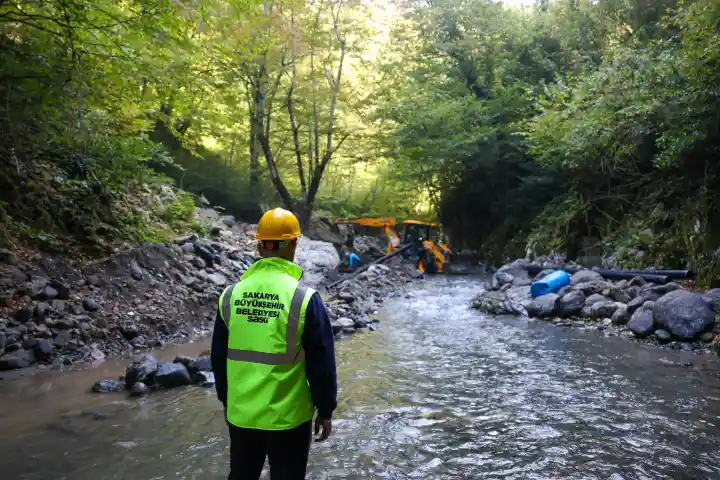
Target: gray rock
(135, 271)
(544, 306)
(20, 359)
(501, 278)
(47, 293)
(188, 248)
(139, 389)
(171, 375)
(543, 273)
(7, 257)
(619, 296)
(638, 301)
(584, 276)
(345, 322)
(604, 309)
(43, 350)
(593, 299)
(571, 303)
(3, 342)
(18, 276)
(217, 279)
(198, 262)
(565, 290)
(592, 287)
(94, 280)
(621, 316)
(662, 335)
(108, 386)
(24, 314)
(204, 254)
(57, 305)
(41, 309)
(90, 305)
(641, 323)
(667, 288)
(493, 302)
(713, 298)
(637, 282)
(138, 342)
(205, 379)
(142, 370)
(130, 330)
(200, 364)
(61, 339)
(29, 343)
(185, 360)
(649, 305)
(684, 314)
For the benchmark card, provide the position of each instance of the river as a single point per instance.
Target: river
(441, 392)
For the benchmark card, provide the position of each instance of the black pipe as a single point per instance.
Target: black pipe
(654, 276)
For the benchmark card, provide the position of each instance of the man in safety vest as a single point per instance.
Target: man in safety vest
(274, 359)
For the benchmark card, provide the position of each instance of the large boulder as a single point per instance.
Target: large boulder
(603, 309)
(515, 273)
(142, 370)
(511, 301)
(171, 375)
(592, 287)
(571, 303)
(584, 276)
(321, 228)
(544, 306)
(593, 299)
(641, 324)
(18, 359)
(638, 301)
(500, 279)
(684, 314)
(713, 298)
(316, 258)
(621, 316)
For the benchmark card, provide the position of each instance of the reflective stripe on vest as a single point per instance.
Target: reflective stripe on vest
(291, 332)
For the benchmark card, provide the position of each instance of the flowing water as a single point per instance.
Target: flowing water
(442, 392)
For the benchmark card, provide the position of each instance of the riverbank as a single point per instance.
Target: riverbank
(665, 314)
(56, 312)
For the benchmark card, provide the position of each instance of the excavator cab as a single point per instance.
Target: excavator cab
(432, 255)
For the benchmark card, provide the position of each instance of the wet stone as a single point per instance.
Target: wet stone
(139, 389)
(43, 350)
(171, 375)
(108, 386)
(662, 335)
(90, 305)
(24, 314)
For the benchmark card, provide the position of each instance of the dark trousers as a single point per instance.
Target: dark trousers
(287, 452)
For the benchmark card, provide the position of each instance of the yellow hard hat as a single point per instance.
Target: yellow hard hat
(278, 224)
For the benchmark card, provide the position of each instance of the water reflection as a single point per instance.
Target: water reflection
(440, 393)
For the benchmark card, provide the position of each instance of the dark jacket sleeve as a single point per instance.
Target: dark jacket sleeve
(218, 358)
(319, 344)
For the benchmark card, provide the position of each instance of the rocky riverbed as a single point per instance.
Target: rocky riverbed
(666, 314)
(58, 311)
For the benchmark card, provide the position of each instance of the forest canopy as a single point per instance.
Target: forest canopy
(573, 126)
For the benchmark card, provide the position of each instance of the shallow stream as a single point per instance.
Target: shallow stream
(441, 392)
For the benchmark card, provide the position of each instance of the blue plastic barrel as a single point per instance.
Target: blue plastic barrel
(550, 283)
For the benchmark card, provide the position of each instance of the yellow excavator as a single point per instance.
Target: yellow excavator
(432, 253)
(386, 223)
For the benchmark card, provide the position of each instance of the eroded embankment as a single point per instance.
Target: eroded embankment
(58, 311)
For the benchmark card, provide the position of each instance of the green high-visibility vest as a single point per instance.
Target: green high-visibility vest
(265, 315)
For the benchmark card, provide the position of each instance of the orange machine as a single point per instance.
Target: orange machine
(429, 250)
(387, 223)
